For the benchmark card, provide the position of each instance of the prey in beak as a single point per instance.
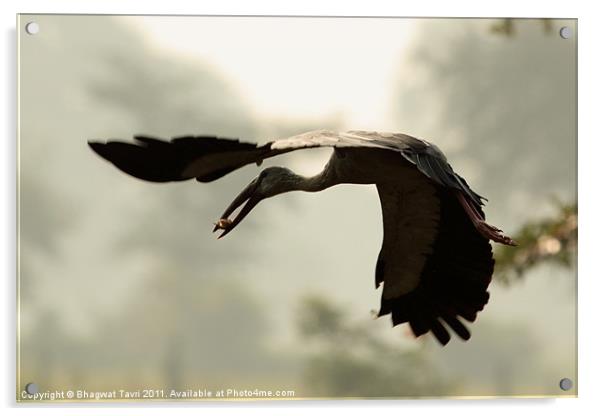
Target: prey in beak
(252, 198)
(270, 182)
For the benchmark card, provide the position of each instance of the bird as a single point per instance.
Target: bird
(436, 261)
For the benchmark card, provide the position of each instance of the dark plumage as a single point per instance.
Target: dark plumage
(436, 261)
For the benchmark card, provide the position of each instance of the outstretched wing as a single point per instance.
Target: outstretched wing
(203, 157)
(208, 158)
(434, 264)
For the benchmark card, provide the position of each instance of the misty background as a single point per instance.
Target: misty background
(122, 284)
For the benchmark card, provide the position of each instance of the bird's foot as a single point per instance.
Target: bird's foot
(493, 233)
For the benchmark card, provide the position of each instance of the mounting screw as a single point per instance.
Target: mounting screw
(32, 388)
(565, 32)
(566, 384)
(32, 28)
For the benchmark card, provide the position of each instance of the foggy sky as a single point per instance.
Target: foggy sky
(95, 242)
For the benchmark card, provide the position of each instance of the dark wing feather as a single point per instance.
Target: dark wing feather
(429, 160)
(208, 158)
(441, 172)
(454, 280)
(203, 157)
(427, 157)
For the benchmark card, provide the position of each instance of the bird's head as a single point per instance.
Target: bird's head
(271, 181)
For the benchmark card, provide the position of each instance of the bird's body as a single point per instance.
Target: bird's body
(435, 263)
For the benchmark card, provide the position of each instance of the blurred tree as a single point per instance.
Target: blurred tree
(503, 111)
(507, 27)
(182, 316)
(501, 358)
(184, 331)
(195, 314)
(53, 357)
(551, 239)
(353, 360)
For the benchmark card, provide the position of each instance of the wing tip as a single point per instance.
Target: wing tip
(98, 147)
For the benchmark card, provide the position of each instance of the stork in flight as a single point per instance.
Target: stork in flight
(435, 263)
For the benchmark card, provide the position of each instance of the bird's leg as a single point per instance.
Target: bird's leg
(486, 230)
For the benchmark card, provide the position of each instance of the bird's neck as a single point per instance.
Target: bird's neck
(315, 183)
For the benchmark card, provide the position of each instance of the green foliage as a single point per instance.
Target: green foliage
(352, 359)
(549, 240)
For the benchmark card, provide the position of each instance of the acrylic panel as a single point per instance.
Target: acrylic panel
(355, 134)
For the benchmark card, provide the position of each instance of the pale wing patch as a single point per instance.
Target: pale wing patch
(411, 220)
(310, 139)
(324, 138)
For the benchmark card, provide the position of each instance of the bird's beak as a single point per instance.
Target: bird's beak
(248, 194)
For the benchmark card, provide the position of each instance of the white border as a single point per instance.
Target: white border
(590, 288)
